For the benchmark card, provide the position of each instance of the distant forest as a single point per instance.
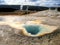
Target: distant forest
(17, 7)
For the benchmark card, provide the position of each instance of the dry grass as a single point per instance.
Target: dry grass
(17, 12)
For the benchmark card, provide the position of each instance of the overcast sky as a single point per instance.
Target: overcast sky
(31, 2)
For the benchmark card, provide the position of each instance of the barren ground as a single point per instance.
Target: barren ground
(8, 37)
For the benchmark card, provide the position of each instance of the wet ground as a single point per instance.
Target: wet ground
(8, 37)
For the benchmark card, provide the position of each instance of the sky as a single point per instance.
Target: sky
(31, 2)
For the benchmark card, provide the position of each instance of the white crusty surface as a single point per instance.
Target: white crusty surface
(18, 22)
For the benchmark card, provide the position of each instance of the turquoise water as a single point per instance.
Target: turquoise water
(33, 29)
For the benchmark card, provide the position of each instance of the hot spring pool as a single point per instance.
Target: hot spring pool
(33, 29)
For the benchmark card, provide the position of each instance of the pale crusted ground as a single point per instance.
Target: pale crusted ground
(8, 37)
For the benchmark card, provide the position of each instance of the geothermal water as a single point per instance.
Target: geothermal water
(33, 29)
